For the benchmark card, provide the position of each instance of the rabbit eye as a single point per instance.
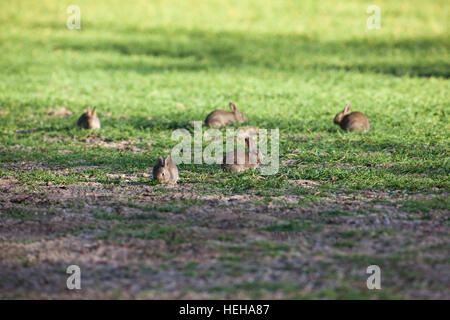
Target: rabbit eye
(163, 173)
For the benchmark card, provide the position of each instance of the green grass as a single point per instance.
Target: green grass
(426, 205)
(258, 289)
(286, 71)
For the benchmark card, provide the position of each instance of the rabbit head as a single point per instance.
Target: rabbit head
(338, 118)
(161, 171)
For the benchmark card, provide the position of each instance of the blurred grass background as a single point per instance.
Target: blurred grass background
(153, 66)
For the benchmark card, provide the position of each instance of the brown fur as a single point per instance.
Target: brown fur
(165, 171)
(352, 121)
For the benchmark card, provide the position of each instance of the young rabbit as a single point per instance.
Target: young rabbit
(220, 118)
(89, 119)
(247, 131)
(352, 121)
(165, 171)
(242, 165)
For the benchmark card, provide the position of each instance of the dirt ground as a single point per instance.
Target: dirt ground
(135, 240)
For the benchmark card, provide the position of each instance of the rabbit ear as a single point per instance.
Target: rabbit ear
(347, 108)
(88, 110)
(232, 106)
(168, 159)
(161, 161)
(94, 111)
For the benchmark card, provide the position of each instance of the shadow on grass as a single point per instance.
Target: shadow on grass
(197, 50)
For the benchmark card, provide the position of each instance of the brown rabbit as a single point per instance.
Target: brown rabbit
(89, 119)
(352, 121)
(220, 118)
(165, 171)
(247, 131)
(245, 164)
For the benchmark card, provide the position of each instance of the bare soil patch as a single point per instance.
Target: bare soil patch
(135, 240)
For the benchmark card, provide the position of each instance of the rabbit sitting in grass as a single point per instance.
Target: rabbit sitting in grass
(220, 118)
(352, 121)
(165, 171)
(248, 160)
(89, 119)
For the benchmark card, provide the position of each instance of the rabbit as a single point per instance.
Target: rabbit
(165, 171)
(220, 118)
(89, 119)
(237, 167)
(352, 121)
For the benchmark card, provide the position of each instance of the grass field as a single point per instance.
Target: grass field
(339, 203)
